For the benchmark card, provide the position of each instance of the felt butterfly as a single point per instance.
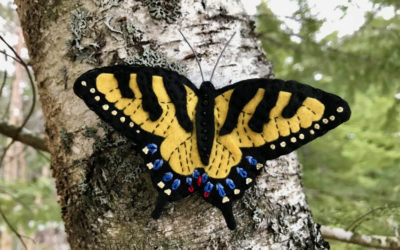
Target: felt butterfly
(206, 140)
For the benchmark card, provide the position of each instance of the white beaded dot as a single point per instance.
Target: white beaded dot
(283, 144)
(316, 126)
(325, 120)
(131, 124)
(332, 117)
(339, 110)
(312, 132)
(301, 136)
(105, 107)
(92, 90)
(272, 146)
(114, 112)
(122, 119)
(293, 139)
(83, 83)
(97, 98)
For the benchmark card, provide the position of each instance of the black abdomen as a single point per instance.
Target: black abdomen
(205, 121)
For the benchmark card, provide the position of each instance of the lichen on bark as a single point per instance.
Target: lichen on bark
(152, 58)
(167, 10)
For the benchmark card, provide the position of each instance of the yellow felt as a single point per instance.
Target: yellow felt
(159, 90)
(123, 103)
(242, 134)
(108, 85)
(134, 86)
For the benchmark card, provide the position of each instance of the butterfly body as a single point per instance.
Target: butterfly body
(205, 121)
(207, 140)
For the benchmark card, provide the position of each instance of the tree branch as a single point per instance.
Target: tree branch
(25, 136)
(31, 82)
(377, 241)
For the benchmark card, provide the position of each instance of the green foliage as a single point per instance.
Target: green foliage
(29, 205)
(355, 168)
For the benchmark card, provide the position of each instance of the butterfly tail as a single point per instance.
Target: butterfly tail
(228, 215)
(160, 204)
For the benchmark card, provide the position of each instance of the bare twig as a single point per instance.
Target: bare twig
(12, 228)
(32, 84)
(3, 83)
(8, 55)
(376, 241)
(24, 136)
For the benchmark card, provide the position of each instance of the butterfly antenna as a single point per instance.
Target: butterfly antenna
(220, 55)
(195, 54)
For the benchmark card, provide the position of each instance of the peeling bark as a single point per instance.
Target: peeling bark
(106, 198)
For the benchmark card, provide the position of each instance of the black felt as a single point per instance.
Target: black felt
(160, 204)
(240, 97)
(261, 114)
(247, 89)
(123, 79)
(178, 95)
(205, 121)
(295, 102)
(228, 216)
(149, 98)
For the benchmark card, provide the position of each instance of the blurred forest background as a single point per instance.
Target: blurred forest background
(351, 175)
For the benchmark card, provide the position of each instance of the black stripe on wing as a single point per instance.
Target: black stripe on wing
(173, 82)
(240, 97)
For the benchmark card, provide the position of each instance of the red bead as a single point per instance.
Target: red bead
(191, 189)
(206, 194)
(199, 181)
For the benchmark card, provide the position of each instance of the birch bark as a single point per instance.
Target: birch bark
(106, 198)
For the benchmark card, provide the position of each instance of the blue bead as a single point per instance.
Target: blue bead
(189, 180)
(230, 183)
(196, 174)
(208, 187)
(167, 176)
(176, 184)
(251, 160)
(204, 177)
(221, 190)
(158, 164)
(242, 172)
(152, 148)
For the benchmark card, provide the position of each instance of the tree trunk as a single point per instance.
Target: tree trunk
(106, 197)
